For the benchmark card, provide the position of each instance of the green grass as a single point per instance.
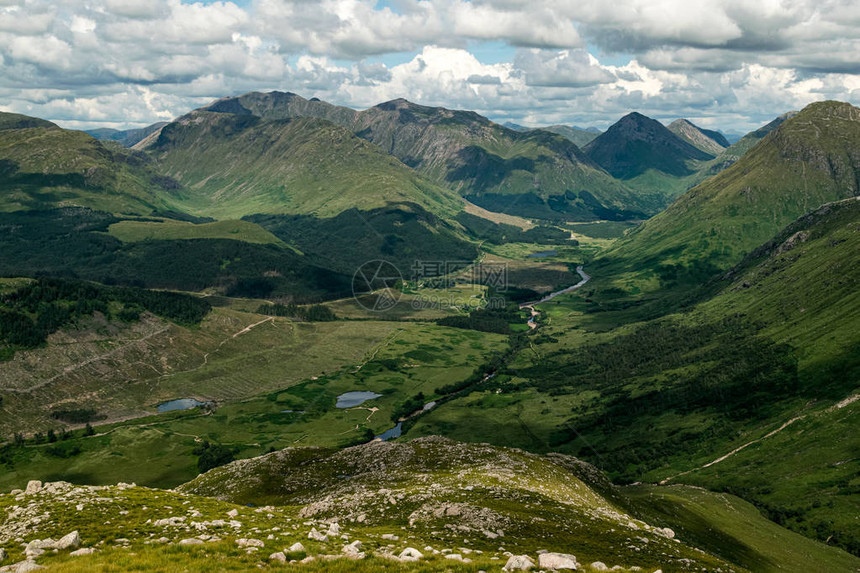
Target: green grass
(600, 229)
(276, 366)
(794, 304)
(133, 231)
(733, 529)
(127, 370)
(804, 477)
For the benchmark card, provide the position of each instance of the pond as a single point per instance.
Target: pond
(391, 433)
(181, 404)
(353, 399)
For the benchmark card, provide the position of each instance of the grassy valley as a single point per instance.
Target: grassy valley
(185, 315)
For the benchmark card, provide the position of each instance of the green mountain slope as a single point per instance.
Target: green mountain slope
(769, 353)
(315, 185)
(74, 242)
(732, 153)
(43, 166)
(809, 160)
(534, 174)
(460, 508)
(706, 140)
(242, 164)
(481, 492)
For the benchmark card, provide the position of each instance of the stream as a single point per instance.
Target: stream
(531, 305)
(396, 431)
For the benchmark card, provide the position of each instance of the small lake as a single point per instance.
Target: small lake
(392, 433)
(181, 404)
(353, 399)
(542, 254)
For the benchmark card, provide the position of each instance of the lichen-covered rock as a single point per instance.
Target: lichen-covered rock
(22, 567)
(37, 547)
(353, 550)
(69, 541)
(556, 561)
(665, 532)
(410, 554)
(33, 486)
(279, 556)
(519, 563)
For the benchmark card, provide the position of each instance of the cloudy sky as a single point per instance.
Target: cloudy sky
(728, 64)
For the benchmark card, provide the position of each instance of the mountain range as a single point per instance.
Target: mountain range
(636, 348)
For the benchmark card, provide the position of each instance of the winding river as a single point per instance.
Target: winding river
(531, 305)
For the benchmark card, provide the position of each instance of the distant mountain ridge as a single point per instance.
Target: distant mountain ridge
(637, 143)
(578, 135)
(709, 141)
(244, 164)
(533, 174)
(807, 160)
(126, 137)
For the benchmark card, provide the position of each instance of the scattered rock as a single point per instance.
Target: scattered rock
(191, 541)
(410, 554)
(69, 541)
(233, 513)
(353, 550)
(665, 532)
(334, 530)
(599, 566)
(2, 554)
(556, 561)
(249, 543)
(390, 537)
(170, 521)
(37, 547)
(317, 536)
(23, 567)
(519, 563)
(296, 548)
(33, 486)
(82, 551)
(279, 556)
